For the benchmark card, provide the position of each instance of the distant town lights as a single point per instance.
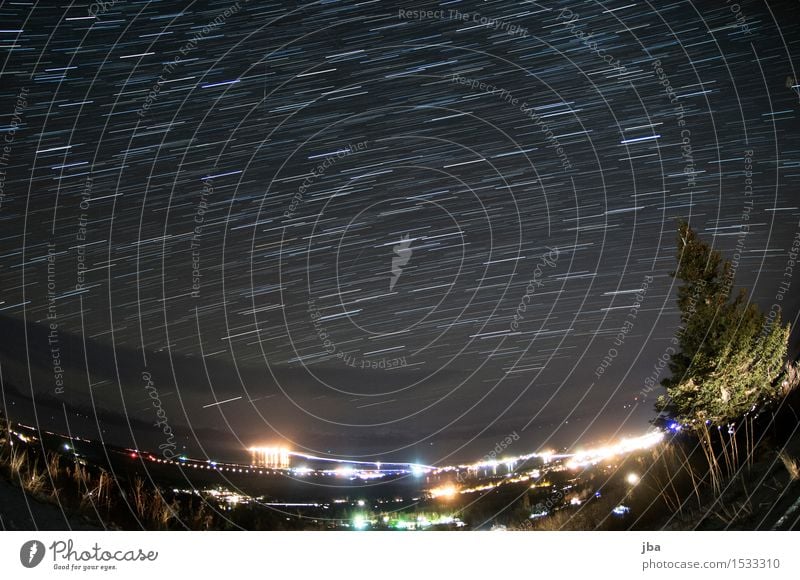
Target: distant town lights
(272, 457)
(418, 470)
(445, 491)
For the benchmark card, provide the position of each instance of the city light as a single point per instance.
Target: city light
(632, 478)
(576, 460)
(621, 510)
(417, 470)
(625, 446)
(445, 491)
(345, 472)
(271, 457)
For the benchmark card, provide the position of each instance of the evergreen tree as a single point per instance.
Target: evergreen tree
(729, 358)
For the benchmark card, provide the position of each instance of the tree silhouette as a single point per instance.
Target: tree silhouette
(729, 357)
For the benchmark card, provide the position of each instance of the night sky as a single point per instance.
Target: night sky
(315, 223)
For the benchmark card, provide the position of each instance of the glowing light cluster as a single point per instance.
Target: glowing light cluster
(445, 491)
(271, 457)
(594, 456)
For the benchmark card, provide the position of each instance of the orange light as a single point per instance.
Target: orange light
(273, 457)
(445, 491)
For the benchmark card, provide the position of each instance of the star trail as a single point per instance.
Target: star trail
(373, 229)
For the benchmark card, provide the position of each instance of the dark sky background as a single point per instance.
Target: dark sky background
(256, 102)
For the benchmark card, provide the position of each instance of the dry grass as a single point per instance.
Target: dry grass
(792, 465)
(92, 490)
(54, 471)
(53, 465)
(161, 511)
(201, 519)
(150, 505)
(24, 470)
(791, 379)
(103, 489)
(35, 481)
(80, 476)
(729, 514)
(98, 492)
(730, 511)
(139, 499)
(17, 460)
